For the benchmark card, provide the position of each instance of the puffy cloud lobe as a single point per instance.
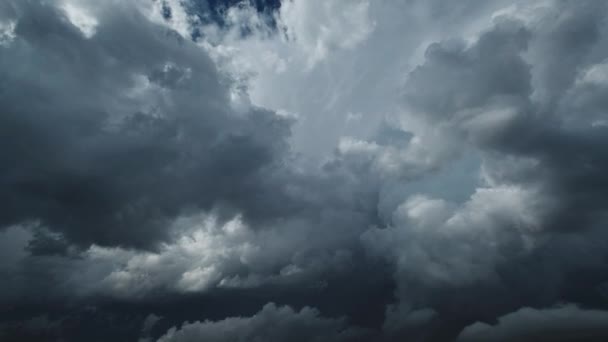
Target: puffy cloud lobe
(206, 257)
(271, 324)
(442, 245)
(564, 323)
(491, 93)
(455, 77)
(211, 256)
(440, 251)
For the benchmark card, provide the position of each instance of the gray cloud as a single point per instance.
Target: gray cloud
(463, 168)
(108, 138)
(564, 323)
(541, 173)
(272, 323)
(119, 134)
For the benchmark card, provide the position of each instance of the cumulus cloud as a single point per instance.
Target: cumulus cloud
(441, 244)
(272, 323)
(387, 161)
(327, 61)
(206, 256)
(111, 135)
(211, 255)
(495, 94)
(564, 323)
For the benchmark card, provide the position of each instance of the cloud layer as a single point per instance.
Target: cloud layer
(382, 170)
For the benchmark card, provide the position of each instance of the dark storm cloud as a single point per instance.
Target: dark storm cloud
(467, 88)
(127, 178)
(456, 77)
(83, 323)
(106, 139)
(532, 74)
(522, 95)
(112, 134)
(565, 323)
(271, 324)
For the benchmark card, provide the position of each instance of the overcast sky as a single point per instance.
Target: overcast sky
(303, 170)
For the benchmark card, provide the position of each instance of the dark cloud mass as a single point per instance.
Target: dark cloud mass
(109, 137)
(346, 170)
(567, 323)
(272, 323)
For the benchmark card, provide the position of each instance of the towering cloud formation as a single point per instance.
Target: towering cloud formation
(390, 170)
(111, 132)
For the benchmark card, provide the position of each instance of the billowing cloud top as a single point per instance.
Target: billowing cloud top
(345, 170)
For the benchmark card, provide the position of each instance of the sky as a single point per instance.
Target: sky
(303, 170)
